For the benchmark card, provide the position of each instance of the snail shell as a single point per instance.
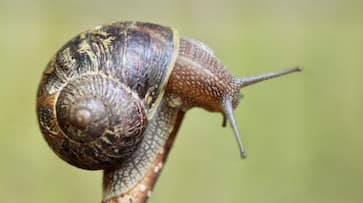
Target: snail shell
(101, 89)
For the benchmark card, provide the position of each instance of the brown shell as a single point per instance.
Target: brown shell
(100, 90)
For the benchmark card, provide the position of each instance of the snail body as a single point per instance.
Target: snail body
(110, 97)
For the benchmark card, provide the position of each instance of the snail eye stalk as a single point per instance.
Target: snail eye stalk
(243, 82)
(228, 115)
(246, 81)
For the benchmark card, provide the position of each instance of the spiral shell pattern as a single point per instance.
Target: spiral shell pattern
(100, 90)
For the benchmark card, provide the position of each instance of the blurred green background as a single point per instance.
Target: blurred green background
(303, 132)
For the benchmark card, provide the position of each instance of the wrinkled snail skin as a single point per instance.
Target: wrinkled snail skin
(199, 79)
(146, 163)
(114, 97)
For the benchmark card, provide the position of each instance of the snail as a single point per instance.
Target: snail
(114, 97)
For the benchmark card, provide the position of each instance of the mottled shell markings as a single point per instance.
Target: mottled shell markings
(91, 101)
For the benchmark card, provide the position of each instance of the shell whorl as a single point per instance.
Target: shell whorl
(102, 119)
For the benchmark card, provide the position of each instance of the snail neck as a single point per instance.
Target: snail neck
(199, 79)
